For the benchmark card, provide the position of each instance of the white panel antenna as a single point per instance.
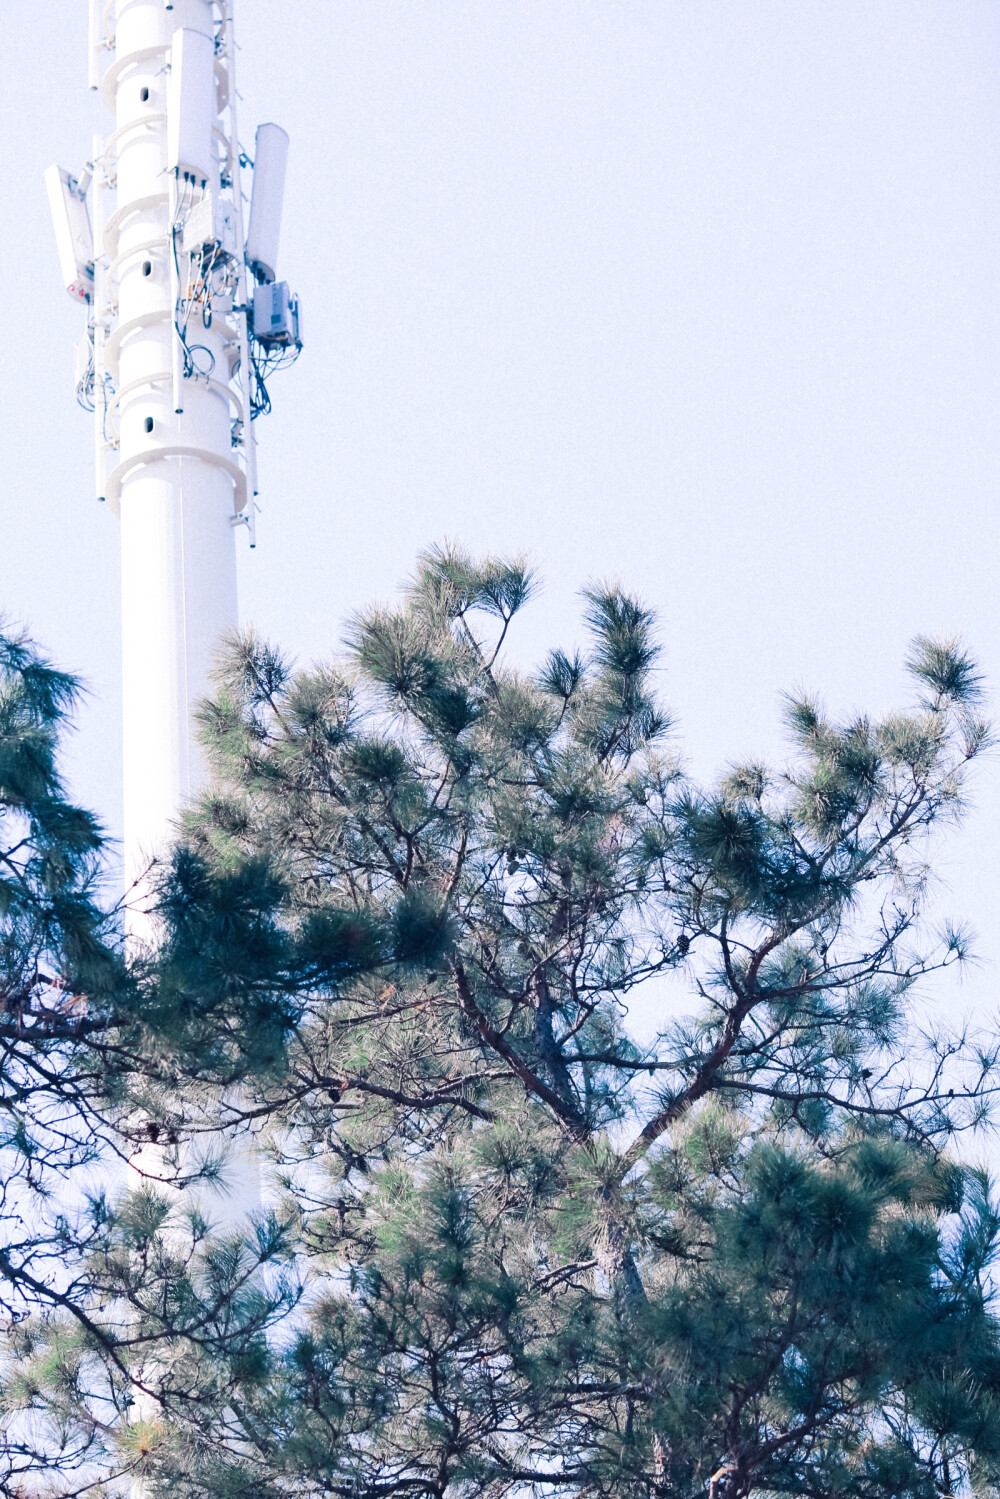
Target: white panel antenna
(270, 160)
(73, 237)
(192, 106)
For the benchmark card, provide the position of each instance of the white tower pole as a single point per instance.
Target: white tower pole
(176, 353)
(173, 437)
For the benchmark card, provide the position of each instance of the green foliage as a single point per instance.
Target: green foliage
(57, 972)
(512, 1250)
(58, 979)
(538, 1257)
(89, 1285)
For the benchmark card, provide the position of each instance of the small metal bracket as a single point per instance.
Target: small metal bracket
(247, 517)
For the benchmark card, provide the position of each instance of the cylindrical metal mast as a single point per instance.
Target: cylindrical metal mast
(174, 360)
(167, 344)
(174, 438)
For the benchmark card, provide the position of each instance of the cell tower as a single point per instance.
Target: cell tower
(185, 321)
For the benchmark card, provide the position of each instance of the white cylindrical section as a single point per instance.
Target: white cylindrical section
(178, 547)
(269, 164)
(178, 600)
(179, 591)
(177, 539)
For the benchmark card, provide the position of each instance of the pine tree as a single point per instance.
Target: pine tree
(90, 1285)
(518, 1251)
(539, 1257)
(58, 978)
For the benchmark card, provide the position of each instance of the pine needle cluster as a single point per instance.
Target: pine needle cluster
(509, 1250)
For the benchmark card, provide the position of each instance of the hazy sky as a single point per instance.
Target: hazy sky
(703, 294)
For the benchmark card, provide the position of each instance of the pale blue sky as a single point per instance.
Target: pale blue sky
(704, 294)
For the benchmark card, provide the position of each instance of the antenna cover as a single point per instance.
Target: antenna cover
(74, 239)
(192, 105)
(270, 160)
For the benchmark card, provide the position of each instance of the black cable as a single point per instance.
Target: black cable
(260, 401)
(191, 370)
